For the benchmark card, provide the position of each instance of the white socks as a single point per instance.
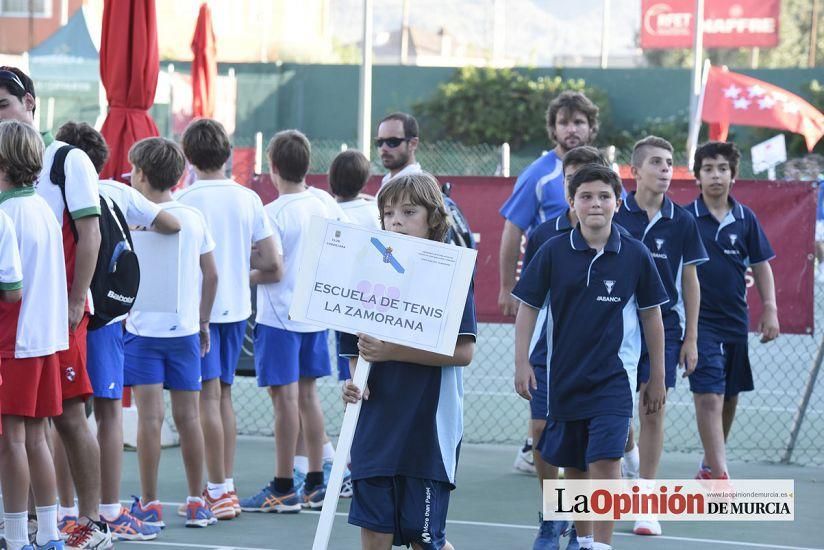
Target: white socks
(302, 464)
(632, 463)
(585, 542)
(328, 451)
(601, 546)
(70, 511)
(46, 524)
(216, 490)
(17, 531)
(109, 511)
(230, 484)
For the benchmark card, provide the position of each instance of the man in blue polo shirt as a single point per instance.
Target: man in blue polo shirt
(596, 284)
(735, 241)
(549, 532)
(671, 235)
(572, 120)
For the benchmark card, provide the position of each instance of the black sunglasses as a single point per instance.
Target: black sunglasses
(12, 78)
(390, 142)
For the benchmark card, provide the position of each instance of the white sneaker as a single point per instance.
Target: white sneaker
(648, 527)
(90, 536)
(626, 473)
(524, 461)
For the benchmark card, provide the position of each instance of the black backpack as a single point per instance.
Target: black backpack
(117, 274)
(459, 232)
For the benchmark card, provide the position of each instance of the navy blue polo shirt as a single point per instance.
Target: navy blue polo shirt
(673, 240)
(542, 234)
(733, 245)
(412, 423)
(593, 299)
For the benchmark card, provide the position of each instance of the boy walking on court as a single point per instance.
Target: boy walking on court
(671, 235)
(401, 486)
(32, 331)
(165, 349)
(105, 354)
(596, 277)
(290, 356)
(549, 532)
(734, 241)
(239, 225)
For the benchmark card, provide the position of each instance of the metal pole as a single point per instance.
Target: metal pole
(258, 153)
(505, 160)
(365, 96)
(697, 59)
(605, 34)
(405, 33)
(695, 121)
(802, 407)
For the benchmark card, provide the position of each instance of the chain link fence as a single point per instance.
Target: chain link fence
(766, 418)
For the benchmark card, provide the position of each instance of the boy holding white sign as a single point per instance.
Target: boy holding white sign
(164, 349)
(289, 355)
(401, 488)
(596, 277)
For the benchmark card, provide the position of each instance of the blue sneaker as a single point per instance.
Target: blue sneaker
(151, 514)
(312, 496)
(267, 500)
(51, 545)
(549, 535)
(127, 527)
(346, 486)
(199, 515)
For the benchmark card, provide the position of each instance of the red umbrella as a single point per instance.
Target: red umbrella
(204, 65)
(129, 64)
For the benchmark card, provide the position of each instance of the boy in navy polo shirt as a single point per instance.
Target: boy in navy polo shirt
(401, 485)
(735, 241)
(550, 531)
(596, 283)
(671, 235)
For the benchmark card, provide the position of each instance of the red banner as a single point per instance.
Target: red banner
(786, 210)
(727, 23)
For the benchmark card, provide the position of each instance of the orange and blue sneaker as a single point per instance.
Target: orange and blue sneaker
(269, 500)
(127, 527)
(66, 525)
(235, 502)
(150, 514)
(222, 507)
(312, 496)
(198, 514)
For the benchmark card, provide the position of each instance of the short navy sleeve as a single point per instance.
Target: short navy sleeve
(650, 290)
(469, 325)
(533, 286)
(758, 246)
(694, 251)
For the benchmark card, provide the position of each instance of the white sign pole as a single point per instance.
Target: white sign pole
(347, 432)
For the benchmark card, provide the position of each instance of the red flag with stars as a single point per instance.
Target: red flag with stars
(732, 98)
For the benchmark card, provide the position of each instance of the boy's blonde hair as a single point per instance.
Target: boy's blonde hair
(21, 153)
(421, 190)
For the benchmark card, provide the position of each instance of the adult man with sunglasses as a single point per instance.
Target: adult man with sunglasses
(397, 142)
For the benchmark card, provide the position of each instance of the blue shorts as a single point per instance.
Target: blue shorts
(672, 351)
(412, 509)
(343, 362)
(104, 361)
(723, 367)
(173, 362)
(578, 443)
(225, 341)
(283, 356)
(539, 404)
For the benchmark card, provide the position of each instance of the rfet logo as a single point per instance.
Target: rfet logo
(663, 20)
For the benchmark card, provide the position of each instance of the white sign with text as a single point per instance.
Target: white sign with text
(400, 289)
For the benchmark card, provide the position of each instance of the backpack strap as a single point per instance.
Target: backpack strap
(58, 177)
(119, 219)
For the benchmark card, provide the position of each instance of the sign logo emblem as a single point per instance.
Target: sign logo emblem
(610, 285)
(733, 238)
(659, 243)
(386, 252)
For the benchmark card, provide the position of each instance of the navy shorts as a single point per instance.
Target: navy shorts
(283, 356)
(723, 367)
(225, 341)
(104, 360)
(343, 362)
(578, 443)
(540, 404)
(672, 351)
(412, 509)
(173, 362)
